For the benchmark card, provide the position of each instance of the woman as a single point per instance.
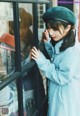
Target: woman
(62, 69)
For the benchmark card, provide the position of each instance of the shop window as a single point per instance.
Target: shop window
(32, 81)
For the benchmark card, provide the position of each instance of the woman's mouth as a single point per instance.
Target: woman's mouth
(53, 37)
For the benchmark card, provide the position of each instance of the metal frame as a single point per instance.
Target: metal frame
(27, 1)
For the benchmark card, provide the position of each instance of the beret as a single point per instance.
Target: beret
(60, 13)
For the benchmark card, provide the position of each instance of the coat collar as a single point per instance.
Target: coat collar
(57, 47)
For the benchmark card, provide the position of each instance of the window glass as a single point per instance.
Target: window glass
(8, 101)
(8, 95)
(7, 56)
(26, 42)
(7, 42)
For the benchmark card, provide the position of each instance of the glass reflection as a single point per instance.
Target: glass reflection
(8, 95)
(7, 55)
(7, 52)
(26, 35)
(8, 102)
(26, 40)
(7, 44)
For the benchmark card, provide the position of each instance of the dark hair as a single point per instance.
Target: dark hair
(69, 39)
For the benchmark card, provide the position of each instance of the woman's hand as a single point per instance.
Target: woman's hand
(45, 36)
(34, 53)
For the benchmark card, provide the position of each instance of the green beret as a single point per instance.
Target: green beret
(60, 13)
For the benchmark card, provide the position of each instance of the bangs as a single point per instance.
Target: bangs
(53, 24)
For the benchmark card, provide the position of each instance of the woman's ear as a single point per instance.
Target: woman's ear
(68, 28)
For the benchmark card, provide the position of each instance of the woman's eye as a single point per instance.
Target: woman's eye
(55, 29)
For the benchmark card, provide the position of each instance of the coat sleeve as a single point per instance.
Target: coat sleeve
(62, 74)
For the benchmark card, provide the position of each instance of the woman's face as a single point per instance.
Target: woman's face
(56, 35)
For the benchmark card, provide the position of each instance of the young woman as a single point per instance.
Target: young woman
(63, 67)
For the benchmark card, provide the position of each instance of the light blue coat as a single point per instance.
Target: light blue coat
(63, 72)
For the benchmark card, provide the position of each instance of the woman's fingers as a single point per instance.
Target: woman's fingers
(45, 36)
(34, 53)
(35, 49)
